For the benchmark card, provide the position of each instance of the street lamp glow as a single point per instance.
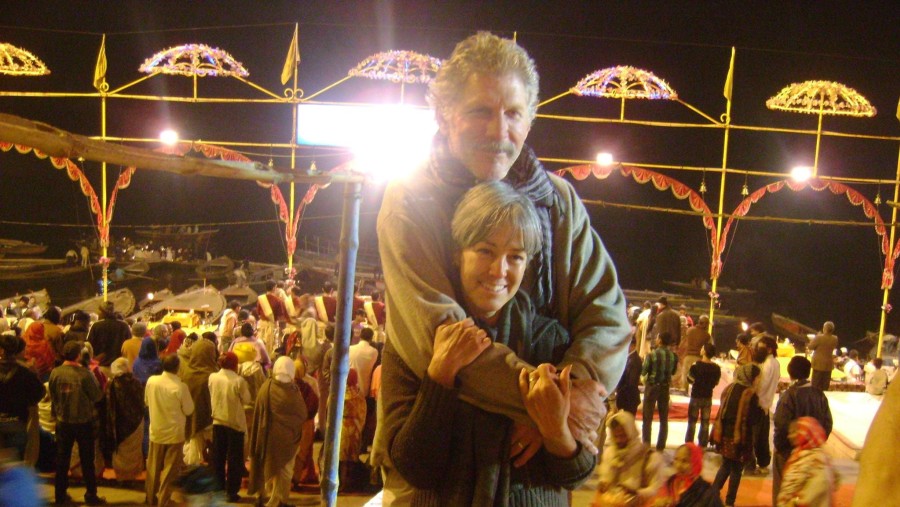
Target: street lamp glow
(745, 326)
(168, 137)
(604, 159)
(801, 173)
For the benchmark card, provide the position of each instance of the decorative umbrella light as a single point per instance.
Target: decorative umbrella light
(15, 61)
(624, 82)
(194, 60)
(821, 97)
(398, 66)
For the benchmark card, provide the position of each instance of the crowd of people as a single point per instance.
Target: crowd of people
(480, 380)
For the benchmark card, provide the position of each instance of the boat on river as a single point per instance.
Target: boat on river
(242, 294)
(12, 247)
(796, 331)
(220, 267)
(192, 307)
(123, 301)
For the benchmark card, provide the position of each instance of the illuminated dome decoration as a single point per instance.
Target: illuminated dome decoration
(624, 82)
(19, 62)
(821, 97)
(194, 60)
(398, 67)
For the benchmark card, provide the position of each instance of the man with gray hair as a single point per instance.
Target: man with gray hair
(822, 348)
(485, 98)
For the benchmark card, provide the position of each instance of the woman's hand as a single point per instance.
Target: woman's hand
(524, 443)
(546, 396)
(456, 345)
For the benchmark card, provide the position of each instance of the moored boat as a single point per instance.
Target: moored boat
(122, 300)
(194, 307)
(243, 295)
(219, 267)
(10, 247)
(41, 299)
(792, 329)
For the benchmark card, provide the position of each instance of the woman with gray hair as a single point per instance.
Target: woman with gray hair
(452, 452)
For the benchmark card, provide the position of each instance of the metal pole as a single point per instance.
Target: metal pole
(715, 250)
(890, 254)
(104, 219)
(340, 361)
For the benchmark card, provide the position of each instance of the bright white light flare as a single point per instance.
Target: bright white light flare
(604, 159)
(168, 137)
(801, 173)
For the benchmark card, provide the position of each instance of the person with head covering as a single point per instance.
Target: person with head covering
(809, 478)
(738, 411)
(125, 420)
(195, 371)
(228, 395)
(146, 365)
(53, 333)
(175, 339)
(685, 488)
(275, 434)
(132, 346)
(38, 352)
(78, 331)
(248, 336)
(304, 466)
(629, 469)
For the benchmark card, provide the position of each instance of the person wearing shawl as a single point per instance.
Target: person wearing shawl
(351, 431)
(199, 364)
(685, 488)
(629, 469)
(146, 365)
(125, 420)
(38, 352)
(305, 466)
(738, 410)
(451, 451)
(809, 479)
(175, 339)
(275, 436)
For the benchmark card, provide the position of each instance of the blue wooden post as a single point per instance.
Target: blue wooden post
(340, 361)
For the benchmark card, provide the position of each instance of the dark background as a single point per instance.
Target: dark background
(810, 272)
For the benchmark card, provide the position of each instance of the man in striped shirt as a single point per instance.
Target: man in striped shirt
(659, 366)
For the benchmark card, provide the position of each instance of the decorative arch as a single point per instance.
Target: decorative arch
(292, 222)
(661, 182)
(76, 174)
(855, 198)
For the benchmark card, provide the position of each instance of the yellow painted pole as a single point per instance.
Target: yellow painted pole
(818, 142)
(715, 278)
(103, 215)
(890, 253)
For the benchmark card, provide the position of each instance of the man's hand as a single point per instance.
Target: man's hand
(587, 411)
(547, 399)
(456, 345)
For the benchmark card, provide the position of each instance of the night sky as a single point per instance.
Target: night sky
(808, 271)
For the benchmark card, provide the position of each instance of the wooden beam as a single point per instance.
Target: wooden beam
(60, 143)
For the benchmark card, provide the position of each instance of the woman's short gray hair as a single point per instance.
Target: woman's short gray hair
(492, 205)
(483, 53)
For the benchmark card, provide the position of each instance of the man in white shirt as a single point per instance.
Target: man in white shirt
(169, 402)
(228, 393)
(363, 357)
(851, 368)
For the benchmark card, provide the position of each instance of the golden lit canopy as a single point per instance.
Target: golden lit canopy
(194, 60)
(624, 82)
(398, 67)
(825, 97)
(16, 61)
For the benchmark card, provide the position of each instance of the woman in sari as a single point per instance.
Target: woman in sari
(686, 488)
(351, 431)
(275, 435)
(195, 372)
(305, 467)
(629, 469)
(146, 365)
(809, 479)
(125, 420)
